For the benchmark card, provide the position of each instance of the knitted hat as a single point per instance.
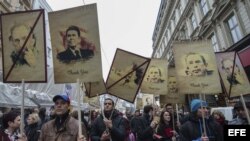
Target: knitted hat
(196, 104)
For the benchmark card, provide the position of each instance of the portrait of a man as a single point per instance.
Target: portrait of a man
(24, 47)
(28, 55)
(232, 73)
(172, 84)
(235, 76)
(76, 47)
(196, 65)
(154, 75)
(149, 101)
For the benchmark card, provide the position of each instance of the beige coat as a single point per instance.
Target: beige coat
(70, 132)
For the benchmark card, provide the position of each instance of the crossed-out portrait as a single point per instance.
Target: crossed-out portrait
(232, 73)
(24, 49)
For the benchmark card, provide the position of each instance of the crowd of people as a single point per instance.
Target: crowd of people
(110, 124)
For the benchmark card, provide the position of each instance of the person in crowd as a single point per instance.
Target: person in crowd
(74, 114)
(93, 115)
(166, 128)
(146, 126)
(52, 114)
(219, 117)
(128, 115)
(1, 118)
(193, 129)
(170, 109)
(63, 127)
(11, 124)
(134, 121)
(241, 114)
(43, 117)
(32, 129)
(110, 125)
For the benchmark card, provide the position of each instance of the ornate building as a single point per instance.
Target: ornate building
(225, 22)
(15, 5)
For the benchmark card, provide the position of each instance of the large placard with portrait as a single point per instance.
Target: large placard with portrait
(139, 104)
(173, 95)
(23, 47)
(196, 67)
(76, 44)
(148, 99)
(155, 79)
(234, 79)
(126, 74)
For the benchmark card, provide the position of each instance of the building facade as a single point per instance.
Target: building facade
(225, 22)
(42, 4)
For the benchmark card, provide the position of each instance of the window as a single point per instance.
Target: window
(214, 43)
(234, 29)
(174, 21)
(204, 6)
(183, 33)
(193, 21)
(165, 40)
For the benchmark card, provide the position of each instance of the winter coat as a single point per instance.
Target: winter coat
(118, 131)
(144, 132)
(68, 132)
(166, 131)
(32, 131)
(193, 129)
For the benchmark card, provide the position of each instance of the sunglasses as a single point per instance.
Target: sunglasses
(107, 103)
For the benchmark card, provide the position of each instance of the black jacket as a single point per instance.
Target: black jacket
(192, 129)
(143, 129)
(32, 132)
(118, 131)
(67, 55)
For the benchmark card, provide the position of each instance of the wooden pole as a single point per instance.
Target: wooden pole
(79, 110)
(22, 109)
(245, 108)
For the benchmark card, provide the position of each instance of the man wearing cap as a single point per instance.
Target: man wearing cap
(108, 126)
(241, 118)
(193, 129)
(63, 127)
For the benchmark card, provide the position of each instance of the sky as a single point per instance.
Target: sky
(124, 24)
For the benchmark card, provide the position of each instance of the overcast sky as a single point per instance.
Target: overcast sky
(125, 24)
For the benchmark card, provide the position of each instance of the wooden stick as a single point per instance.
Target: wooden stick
(203, 118)
(113, 108)
(22, 109)
(245, 108)
(177, 115)
(79, 110)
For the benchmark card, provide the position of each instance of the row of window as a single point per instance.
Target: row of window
(231, 23)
